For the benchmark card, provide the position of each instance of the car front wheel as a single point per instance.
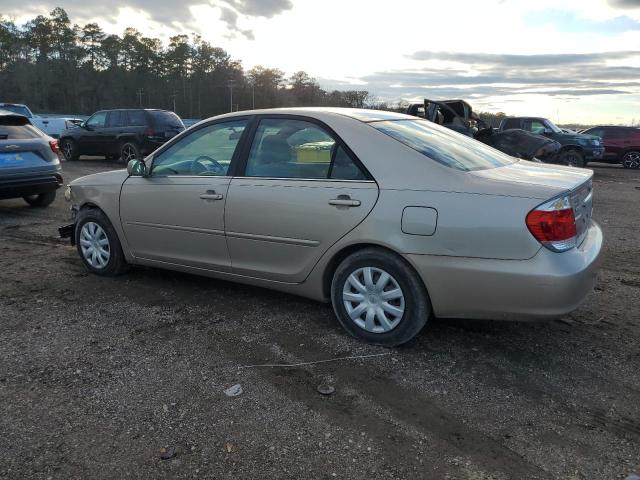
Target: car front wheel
(98, 244)
(69, 150)
(378, 298)
(572, 158)
(631, 160)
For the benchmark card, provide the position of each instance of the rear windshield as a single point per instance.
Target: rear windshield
(443, 145)
(19, 132)
(19, 109)
(166, 119)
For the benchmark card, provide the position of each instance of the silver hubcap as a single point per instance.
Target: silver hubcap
(95, 245)
(373, 299)
(632, 160)
(128, 153)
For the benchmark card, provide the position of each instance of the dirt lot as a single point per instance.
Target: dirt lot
(98, 375)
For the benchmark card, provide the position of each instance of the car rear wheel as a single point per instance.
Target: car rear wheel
(572, 158)
(378, 298)
(69, 150)
(631, 160)
(98, 244)
(130, 151)
(41, 200)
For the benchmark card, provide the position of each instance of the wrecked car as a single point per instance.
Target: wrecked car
(458, 115)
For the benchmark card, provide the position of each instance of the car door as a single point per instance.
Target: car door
(176, 213)
(300, 190)
(109, 134)
(89, 141)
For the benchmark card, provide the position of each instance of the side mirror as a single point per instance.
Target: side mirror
(136, 168)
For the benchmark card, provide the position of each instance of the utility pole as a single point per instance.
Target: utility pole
(231, 85)
(253, 96)
(140, 92)
(173, 97)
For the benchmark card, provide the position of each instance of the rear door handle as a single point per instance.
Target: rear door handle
(211, 195)
(344, 201)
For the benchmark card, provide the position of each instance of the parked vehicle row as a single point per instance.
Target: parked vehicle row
(124, 133)
(391, 218)
(621, 144)
(52, 126)
(29, 163)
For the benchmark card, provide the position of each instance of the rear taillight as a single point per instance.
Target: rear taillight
(554, 224)
(54, 146)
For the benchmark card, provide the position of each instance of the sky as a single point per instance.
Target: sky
(573, 61)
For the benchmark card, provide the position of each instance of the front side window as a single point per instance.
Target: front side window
(287, 148)
(443, 145)
(534, 126)
(205, 152)
(97, 120)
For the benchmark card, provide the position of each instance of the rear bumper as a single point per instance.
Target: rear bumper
(546, 286)
(25, 185)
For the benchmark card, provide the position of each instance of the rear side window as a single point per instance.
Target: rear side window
(443, 145)
(164, 119)
(288, 148)
(19, 132)
(510, 123)
(136, 118)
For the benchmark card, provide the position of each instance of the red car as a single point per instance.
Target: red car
(621, 144)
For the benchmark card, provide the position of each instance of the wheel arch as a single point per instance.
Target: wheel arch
(344, 252)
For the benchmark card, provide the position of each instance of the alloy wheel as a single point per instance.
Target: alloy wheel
(373, 299)
(95, 246)
(128, 153)
(631, 160)
(67, 149)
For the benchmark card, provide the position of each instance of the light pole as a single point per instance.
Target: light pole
(231, 85)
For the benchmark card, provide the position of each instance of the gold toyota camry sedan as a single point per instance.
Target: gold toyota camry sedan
(389, 217)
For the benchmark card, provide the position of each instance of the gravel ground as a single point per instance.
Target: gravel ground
(99, 375)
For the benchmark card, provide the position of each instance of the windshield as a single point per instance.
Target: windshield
(552, 126)
(443, 145)
(19, 109)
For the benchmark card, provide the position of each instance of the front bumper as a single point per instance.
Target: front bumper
(547, 286)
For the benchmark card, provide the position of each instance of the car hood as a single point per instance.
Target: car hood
(113, 177)
(532, 179)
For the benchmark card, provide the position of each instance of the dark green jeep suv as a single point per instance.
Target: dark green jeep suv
(577, 149)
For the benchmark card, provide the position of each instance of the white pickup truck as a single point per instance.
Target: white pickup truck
(52, 126)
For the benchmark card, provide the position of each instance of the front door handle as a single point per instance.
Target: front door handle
(211, 195)
(344, 201)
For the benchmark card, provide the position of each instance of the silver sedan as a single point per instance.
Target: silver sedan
(391, 218)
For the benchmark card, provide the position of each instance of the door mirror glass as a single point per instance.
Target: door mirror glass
(136, 168)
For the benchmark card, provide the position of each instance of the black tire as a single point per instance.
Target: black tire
(116, 264)
(572, 158)
(41, 200)
(417, 307)
(130, 151)
(69, 150)
(631, 160)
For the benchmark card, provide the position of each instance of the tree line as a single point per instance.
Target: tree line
(55, 66)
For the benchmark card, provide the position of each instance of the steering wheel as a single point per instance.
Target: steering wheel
(199, 166)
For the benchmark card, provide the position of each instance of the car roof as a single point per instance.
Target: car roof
(361, 114)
